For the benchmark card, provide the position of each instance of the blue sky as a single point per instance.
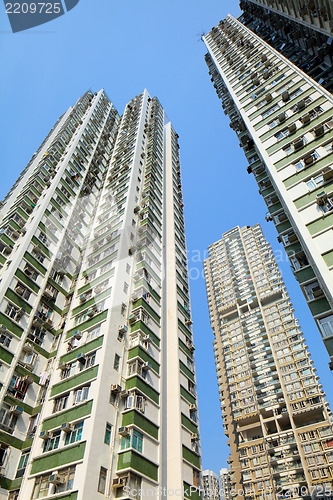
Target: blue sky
(125, 47)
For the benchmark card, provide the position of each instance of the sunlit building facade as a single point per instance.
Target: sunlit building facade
(283, 120)
(275, 415)
(98, 387)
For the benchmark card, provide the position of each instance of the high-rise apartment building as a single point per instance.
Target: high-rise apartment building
(283, 120)
(225, 489)
(98, 388)
(211, 487)
(278, 423)
(301, 31)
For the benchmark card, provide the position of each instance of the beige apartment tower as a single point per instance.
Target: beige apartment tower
(274, 410)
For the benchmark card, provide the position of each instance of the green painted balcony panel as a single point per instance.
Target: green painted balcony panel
(187, 395)
(328, 258)
(139, 351)
(7, 438)
(184, 329)
(90, 346)
(35, 263)
(189, 424)
(27, 281)
(5, 355)
(10, 484)
(283, 226)
(74, 413)
(319, 306)
(324, 223)
(190, 494)
(76, 380)
(53, 461)
(150, 310)
(274, 208)
(185, 348)
(329, 346)
(304, 274)
(11, 295)
(186, 371)
(191, 457)
(139, 325)
(136, 418)
(133, 460)
(133, 382)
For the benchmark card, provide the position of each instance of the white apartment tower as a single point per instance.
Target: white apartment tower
(275, 415)
(211, 487)
(283, 120)
(225, 484)
(98, 388)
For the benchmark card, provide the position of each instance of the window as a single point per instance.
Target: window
(282, 133)
(5, 339)
(81, 395)
(53, 442)
(125, 287)
(75, 434)
(326, 326)
(133, 440)
(89, 361)
(314, 182)
(107, 435)
(312, 290)
(102, 480)
(270, 111)
(42, 483)
(92, 334)
(60, 403)
(116, 363)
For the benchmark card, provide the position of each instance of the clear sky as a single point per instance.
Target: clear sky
(125, 47)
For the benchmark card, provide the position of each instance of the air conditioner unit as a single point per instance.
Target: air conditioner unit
(188, 322)
(57, 479)
(124, 394)
(67, 427)
(115, 388)
(44, 435)
(62, 365)
(132, 319)
(122, 329)
(193, 407)
(124, 431)
(16, 410)
(146, 366)
(194, 436)
(3, 329)
(83, 298)
(81, 357)
(118, 482)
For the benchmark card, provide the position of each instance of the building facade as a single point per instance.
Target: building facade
(275, 415)
(283, 120)
(301, 31)
(225, 489)
(211, 487)
(98, 388)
